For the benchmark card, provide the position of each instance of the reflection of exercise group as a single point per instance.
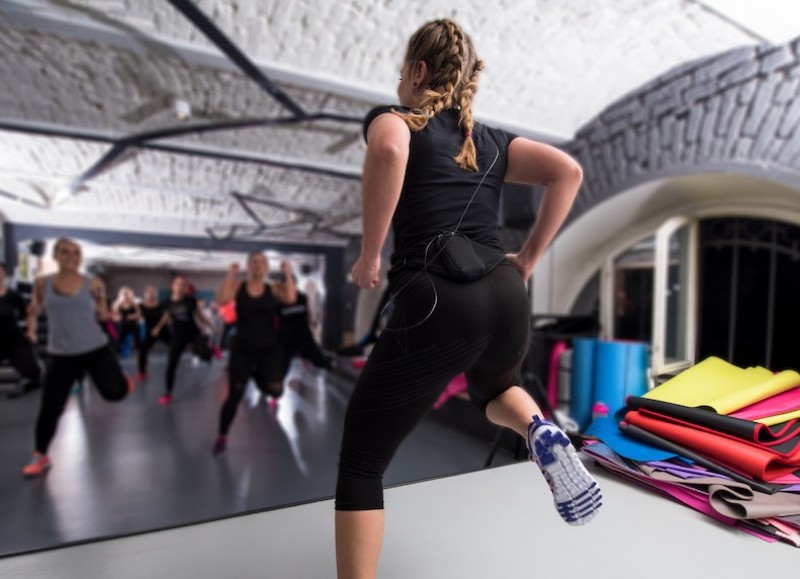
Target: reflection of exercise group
(85, 336)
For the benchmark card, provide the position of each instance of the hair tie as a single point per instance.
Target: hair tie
(469, 134)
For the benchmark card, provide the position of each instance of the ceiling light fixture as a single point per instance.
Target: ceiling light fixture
(183, 110)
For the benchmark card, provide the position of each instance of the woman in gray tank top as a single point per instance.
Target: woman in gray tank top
(75, 305)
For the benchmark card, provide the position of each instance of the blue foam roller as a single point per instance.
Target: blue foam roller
(581, 380)
(610, 371)
(636, 369)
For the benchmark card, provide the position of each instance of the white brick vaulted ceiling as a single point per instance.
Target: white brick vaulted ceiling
(86, 80)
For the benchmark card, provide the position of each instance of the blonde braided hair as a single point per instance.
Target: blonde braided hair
(453, 70)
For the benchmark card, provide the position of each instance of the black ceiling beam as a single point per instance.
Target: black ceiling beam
(141, 140)
(215, 35)
(249, 123)
(244, 159)
(138, 139)
(19, 199)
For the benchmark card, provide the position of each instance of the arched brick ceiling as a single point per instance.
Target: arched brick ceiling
(84, 74)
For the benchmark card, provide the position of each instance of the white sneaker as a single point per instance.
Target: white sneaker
(575, 492)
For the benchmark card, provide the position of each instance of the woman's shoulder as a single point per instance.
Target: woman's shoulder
(378, 111)
(496, 133)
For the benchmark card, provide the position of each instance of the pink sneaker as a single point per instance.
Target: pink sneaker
(38, 465)
(220, 444)
(165, 399)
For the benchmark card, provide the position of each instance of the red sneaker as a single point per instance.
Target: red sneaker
(38, 465)
(219, 445)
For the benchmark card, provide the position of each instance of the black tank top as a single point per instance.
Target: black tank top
(152, 314)
(436, 190)
(294, 317)
(182, 314)
(126, 315)
(255, 320)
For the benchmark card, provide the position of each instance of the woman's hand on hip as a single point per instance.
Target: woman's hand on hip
(524, 269)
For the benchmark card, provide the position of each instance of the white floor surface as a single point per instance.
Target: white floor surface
(496, 523)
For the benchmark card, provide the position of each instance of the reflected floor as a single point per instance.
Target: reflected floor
(136, 466)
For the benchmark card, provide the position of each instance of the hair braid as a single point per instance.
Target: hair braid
(467, 154)
(452, 80)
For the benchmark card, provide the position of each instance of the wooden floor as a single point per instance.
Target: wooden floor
(135, 466)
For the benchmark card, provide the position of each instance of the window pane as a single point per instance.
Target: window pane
(752, 293)
(716, 265)
(633, 292)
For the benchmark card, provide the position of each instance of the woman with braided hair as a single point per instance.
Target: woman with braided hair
(459, 302)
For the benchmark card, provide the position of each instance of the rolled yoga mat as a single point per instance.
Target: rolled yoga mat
(605, 371)
(620, 370)
(581, 380)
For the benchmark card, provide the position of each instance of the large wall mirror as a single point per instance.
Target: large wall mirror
(134, 466)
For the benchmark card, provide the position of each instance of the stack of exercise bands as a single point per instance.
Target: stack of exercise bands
(717, 438)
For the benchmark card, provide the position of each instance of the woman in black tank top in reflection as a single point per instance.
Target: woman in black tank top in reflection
(255, 352)
(182, 315)
(152, 310)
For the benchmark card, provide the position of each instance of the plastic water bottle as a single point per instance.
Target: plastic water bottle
(599, 410)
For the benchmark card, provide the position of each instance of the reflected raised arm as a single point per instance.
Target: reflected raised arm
(285, 291)
(229, 286)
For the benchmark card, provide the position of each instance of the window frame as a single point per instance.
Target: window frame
(659, 364)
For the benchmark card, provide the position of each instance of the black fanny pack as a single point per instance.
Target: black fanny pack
(456, 256)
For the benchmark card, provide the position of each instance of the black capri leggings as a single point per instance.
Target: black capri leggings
(21, 355)
(148, 343)
(62, 372)
(129, 329)
(177, 344)
(300, 342)
(480, 328)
